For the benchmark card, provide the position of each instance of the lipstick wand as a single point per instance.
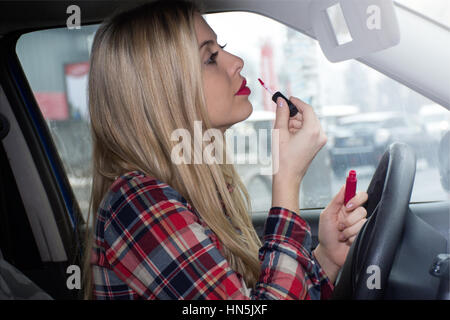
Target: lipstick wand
(292, 108)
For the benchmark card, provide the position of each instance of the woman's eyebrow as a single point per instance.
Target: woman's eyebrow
(207, 42)
(204, 43)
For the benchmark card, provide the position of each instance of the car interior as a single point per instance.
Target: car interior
(41, 223)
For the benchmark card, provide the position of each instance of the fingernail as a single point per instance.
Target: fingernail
(341, 226)
(349, 205)
(280, 102)
(341, 237)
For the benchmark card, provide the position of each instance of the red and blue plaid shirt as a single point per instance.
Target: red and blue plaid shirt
(151, 244)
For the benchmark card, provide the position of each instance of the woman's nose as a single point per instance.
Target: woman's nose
(236, 65)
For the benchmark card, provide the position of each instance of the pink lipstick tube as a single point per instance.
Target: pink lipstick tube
(350, 186)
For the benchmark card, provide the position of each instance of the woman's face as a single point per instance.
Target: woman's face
(221, 80)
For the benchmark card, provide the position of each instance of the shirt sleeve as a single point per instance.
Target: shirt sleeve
(158, 248)
(288, 237)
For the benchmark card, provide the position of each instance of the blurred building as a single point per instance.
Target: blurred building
(300, 69)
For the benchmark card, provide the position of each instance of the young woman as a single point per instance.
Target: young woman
(183, 231)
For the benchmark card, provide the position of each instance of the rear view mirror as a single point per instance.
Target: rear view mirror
(350, 29)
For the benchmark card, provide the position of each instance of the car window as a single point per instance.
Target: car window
(361, 110)
(56, 63)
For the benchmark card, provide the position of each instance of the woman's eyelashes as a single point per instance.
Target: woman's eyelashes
(212, 58)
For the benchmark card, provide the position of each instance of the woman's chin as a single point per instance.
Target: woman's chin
(247, 110)
(240, 114)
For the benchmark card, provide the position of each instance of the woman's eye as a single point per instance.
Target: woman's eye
(212, 58)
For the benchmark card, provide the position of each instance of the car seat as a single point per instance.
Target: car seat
(14, 285)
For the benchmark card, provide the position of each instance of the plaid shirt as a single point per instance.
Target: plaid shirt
(151, 244)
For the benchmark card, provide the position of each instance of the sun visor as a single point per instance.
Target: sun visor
(350, 29)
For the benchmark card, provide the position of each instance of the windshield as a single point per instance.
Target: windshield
(289, 62)
(437, 10)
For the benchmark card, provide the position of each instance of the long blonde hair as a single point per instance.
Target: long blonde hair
(145, 82)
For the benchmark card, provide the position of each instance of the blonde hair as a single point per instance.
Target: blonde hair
(145, 82)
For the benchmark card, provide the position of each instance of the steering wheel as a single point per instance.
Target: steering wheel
(365, 272)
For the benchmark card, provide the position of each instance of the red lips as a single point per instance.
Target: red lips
(243, 90)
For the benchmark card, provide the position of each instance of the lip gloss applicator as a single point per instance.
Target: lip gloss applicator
(292, 108)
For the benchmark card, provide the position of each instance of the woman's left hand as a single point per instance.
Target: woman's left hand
(339, 225)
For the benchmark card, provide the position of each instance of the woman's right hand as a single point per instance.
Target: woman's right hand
(300, 138)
